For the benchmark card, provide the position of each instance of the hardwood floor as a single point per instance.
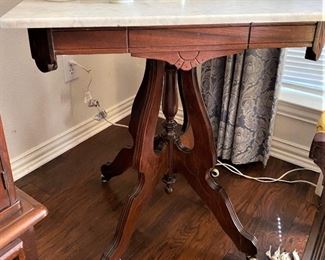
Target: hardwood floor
(83, 212)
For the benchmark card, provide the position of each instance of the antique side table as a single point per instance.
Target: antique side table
(175, 37)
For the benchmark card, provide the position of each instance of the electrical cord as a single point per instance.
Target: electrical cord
(215, 173)
(102, 114)
(89, 71)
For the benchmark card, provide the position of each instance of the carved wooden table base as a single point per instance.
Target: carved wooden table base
(190, 152)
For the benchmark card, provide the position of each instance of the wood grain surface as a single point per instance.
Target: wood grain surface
(83, 212)
(183, 46)
(7, 188)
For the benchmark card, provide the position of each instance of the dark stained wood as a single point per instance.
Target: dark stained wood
(170, 97)
(29, 242)
(276, 36)
(9, 203)
(146, 162)
(42, 49)
(13, 251)
(80, 41)
(16, 224)
(124, 159)
(7, 188)
(185, 125)
(186, 60)
(183, 46)
(121, 163)
(196, 168)
(175, 156)
(315, 248)
(169, 136)
(169, 39)
(83, 212)
(4, 194)
(187, 138)
(139, 100)
(18, 213)
(16, 230)
(314, 52)
(318, 149)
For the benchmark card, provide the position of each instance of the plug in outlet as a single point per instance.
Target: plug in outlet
(70, 71)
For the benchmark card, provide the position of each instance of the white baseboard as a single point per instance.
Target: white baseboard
(298, 113)
(292, 153)
(298, 155)
(47, 151)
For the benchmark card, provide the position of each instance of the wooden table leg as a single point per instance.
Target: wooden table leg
(196, 166)
(190, 152)
(150, 165)
(123, 160)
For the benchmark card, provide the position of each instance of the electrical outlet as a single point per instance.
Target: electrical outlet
(70, 71)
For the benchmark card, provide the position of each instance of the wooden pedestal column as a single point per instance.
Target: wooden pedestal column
(190, 152)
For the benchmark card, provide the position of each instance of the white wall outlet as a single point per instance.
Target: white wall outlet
(70, 70)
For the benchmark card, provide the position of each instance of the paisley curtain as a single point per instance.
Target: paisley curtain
(240, 95)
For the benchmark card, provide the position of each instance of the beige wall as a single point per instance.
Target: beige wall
(36, 107)
(5, 5)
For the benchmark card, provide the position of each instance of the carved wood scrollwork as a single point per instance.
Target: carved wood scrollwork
(42, 49)
(184, 47)
(186, 60)
(314, 52)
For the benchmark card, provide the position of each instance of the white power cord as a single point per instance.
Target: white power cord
(92, 102)
(216, 173)
(102, 114)
(89, 71)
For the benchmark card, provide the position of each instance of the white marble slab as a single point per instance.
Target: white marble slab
(93, 13)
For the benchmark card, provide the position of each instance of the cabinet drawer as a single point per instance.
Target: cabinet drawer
(160, 39)
(76, 41)
(266, 36)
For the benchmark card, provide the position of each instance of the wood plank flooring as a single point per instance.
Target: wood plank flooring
(83, 212)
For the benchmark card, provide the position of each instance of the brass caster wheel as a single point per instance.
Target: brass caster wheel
(169, 189)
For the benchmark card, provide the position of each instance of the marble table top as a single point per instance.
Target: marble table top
(103, 13)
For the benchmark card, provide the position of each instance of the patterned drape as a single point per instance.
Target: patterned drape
(239, 92)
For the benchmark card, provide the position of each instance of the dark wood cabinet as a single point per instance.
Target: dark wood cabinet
(18, 213)
(4, 194)
(7, 188)
(14, 251)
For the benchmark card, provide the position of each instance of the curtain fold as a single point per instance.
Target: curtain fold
(240, 95)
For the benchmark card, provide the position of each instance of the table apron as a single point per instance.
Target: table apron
(184, 46)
